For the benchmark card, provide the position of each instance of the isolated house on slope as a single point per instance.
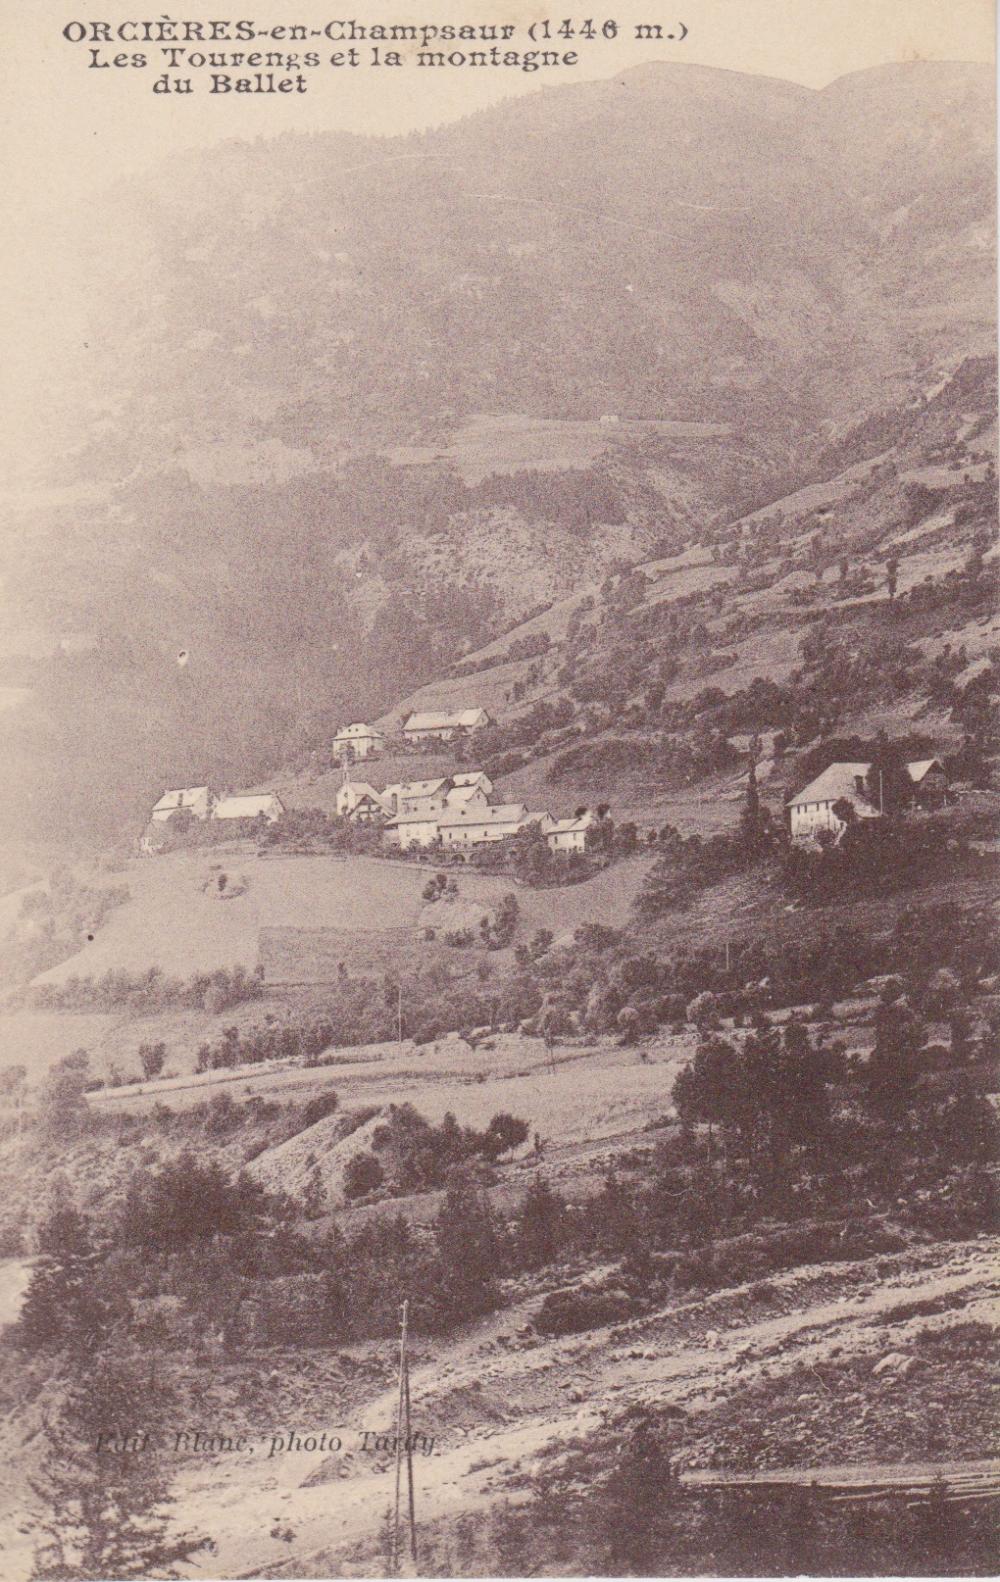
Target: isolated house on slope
(264, 804)
(442, 727)
(811, 809)
(358, 741)
(196, 800)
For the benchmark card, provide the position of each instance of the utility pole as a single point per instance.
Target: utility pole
(404, 1438)
(394, 1558)
(409, 1464)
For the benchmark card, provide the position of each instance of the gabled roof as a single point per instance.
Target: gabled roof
(436, 722)
(570, 826)
(414, 818)
(471, 777)
(357, 730)
(359, 791)
(419, 787)
(182, 798)
(837, 780)
(248, 806)
(506, 813)
(464, 794)
(922, 767)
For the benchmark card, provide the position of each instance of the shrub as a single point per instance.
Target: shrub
(319, 1108)
(569, 1312)
(363, 1174)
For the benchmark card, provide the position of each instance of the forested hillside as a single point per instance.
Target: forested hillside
(339, 423)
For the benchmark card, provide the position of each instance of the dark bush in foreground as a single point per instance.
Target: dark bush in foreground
(570, 1312)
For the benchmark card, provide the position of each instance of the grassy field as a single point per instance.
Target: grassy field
(584, 1092)
(177, 920)
(751, 906)
(512, 442)
(300, 916)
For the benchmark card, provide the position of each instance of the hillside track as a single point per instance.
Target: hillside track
(496, 1396)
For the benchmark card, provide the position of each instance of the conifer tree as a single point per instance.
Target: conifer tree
(62, 1306)
(101, 1488)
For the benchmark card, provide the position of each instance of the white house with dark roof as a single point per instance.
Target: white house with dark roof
(443, 726)
(358, 741)
(196, 800)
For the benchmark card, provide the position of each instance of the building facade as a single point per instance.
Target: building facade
(569, 834)
(443, 727)
(196, 800)
(359, 801)
(413, 829)
(358, 741)
(475, 826)
(264, 804)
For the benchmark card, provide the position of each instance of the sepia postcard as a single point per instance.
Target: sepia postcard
(499, 791)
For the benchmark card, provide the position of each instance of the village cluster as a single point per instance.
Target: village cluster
(459, 811)
(456, 811)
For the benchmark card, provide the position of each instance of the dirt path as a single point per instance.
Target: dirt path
(495, 1398)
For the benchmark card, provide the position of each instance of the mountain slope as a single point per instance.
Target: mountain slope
(292, 340)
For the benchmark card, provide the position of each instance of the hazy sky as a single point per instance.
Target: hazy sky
(67, 130)
(66, 127)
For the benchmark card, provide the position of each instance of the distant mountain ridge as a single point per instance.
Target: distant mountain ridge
(280, 328)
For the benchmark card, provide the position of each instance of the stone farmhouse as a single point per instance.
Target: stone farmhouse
(444, 727)
(201, 803)
(353, 742)
(811, 809)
